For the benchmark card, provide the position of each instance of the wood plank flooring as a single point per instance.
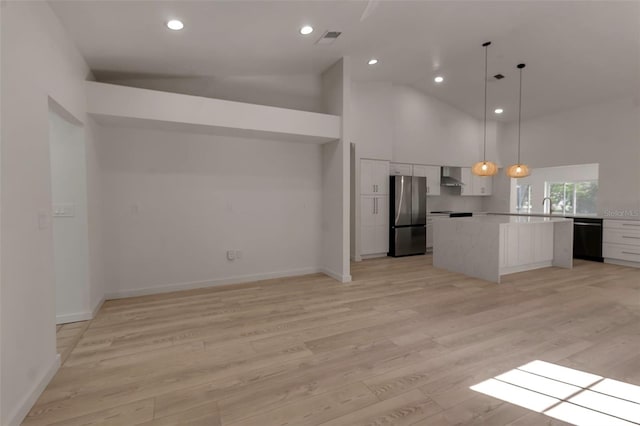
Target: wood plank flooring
(400, 345)
(67, 336)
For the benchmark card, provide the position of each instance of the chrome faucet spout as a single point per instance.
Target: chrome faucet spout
(543, 204)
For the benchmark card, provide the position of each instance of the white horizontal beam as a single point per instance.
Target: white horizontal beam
(113, 104)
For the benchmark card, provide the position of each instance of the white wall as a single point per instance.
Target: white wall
(70, 233)
(336, 84)
(302, 92)
(175, 202)
(607, 133)
(38, 61)
(429, 131)
(373, 119)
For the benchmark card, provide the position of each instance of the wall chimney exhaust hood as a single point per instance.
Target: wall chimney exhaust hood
(450, 176)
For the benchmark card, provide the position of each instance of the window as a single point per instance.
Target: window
(523, 199)
(572, 197)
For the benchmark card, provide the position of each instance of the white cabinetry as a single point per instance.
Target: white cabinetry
(374, 224)
(400, 169)
(374, 207)
(482, 185)
(475, 185)
(525, 245)
(432, 173)
(467, 182)
(621, 242)
(374, 177)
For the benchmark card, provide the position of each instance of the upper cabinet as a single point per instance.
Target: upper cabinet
(482, 185)
(400, 169)
(432, 173)
(467, 181)
(374, 177)
(475, 185)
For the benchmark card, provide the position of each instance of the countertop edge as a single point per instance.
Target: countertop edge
(635, 219)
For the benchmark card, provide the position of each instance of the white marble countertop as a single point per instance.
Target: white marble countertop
(506, 219)
(608, 217)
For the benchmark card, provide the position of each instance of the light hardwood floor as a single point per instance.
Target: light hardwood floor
(67, 336)
(400, 345)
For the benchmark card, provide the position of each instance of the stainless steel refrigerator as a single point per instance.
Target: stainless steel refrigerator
(407, 215)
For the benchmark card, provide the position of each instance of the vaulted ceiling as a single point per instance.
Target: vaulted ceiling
(576, 52)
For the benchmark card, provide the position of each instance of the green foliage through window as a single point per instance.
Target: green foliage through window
(572, 197)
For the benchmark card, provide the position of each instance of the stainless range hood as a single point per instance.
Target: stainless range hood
(450, 176)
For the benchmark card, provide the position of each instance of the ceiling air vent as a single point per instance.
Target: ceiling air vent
(329, 37)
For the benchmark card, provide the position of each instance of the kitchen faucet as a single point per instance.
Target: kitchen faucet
(550, 204)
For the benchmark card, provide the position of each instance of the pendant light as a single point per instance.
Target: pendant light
(519, 170)
(484, 167)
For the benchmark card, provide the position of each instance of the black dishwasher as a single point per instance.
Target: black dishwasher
(587, 239)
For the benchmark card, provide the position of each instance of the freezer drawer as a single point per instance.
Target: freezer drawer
(408, 240)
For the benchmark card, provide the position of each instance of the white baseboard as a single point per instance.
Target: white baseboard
(524, 268)
(96, 308)
(622, 263)
(373, 256)
(210, 283)
(75, 317)
(338, 277)
(79, 316)
(27, 402)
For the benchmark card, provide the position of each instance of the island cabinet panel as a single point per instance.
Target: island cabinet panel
(525, 245)
(490, 246)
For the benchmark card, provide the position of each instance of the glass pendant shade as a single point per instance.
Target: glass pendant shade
(518, 171)
(484, 168)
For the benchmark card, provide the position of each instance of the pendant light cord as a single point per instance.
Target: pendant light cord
(484, 144)
(520, 66)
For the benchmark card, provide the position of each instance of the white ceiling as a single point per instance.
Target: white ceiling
(576, 52)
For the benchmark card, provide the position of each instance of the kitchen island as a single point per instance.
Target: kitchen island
(490, 246)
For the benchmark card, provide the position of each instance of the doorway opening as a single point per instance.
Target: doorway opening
(67, 153)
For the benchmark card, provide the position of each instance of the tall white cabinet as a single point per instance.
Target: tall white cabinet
(374, 224)
(374, 207)
(374, 177)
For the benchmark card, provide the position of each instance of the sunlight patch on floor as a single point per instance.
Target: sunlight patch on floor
(566, 394)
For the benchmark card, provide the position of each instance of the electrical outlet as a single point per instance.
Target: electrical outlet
(231, 255)
(238, 254)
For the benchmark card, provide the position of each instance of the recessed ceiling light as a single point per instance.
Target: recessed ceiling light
(498, 111)
(306, 30)
(373, 61)
(439, 79)
(175, 25)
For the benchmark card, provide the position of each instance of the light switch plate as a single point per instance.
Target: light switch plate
(64, 210)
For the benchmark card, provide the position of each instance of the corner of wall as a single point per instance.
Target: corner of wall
(24, 405)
